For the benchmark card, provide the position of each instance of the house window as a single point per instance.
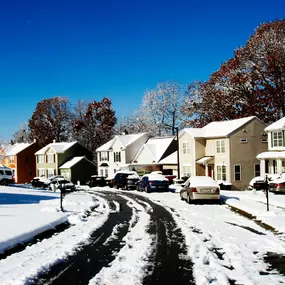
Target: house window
(256, 170)
(41, 158)
(277, 139)
(243, 140)
(12, 158)
(221, 172)
(106, 172)
(101, 172)
(41, 172)
(117, 157)
(186, 170)
(104, 156)
(283, 166)
(50, 172)
(220, 146)
(50, 158)
(237, 169)
(185, 148)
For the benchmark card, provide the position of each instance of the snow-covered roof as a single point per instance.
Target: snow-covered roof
(276, 126)
(204, 159)
(59, 147)
(124, 139)
(224, 128)
(156, 147)
(271, 154)
(17, 148)
(194, 132)
(170, 159)
(73, 161)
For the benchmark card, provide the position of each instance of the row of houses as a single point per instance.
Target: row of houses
(232, 152)
(70, 159)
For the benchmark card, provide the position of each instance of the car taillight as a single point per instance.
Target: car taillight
(279, 184)
(150, 182)
(193, 190)
(13, 178)
(217, 190)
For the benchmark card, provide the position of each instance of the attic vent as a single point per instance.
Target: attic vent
(135, 161)
(264, 140)
(243, 140)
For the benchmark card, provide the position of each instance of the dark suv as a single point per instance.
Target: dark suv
(96, 180)
(125, 180)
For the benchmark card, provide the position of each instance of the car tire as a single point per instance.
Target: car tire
(145, 189)
(5, 182)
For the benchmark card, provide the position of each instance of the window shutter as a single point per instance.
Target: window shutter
(119, 157)
(114, 157)
(100, 158)
(108, 155)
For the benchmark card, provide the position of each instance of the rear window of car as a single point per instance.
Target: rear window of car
(1, 172)
(8, 172)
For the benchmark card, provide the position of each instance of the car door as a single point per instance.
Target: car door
(185, 189)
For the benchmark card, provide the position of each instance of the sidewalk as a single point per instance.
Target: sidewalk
(255, 204)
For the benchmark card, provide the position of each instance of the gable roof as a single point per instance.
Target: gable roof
(276, 126)
(125, 140)
(156, 147)
(218, 128)
(70, 163)
(170, 159)
(17, 148)
(59, 147)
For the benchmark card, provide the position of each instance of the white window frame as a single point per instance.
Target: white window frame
(220, 146)
(104, 156)
(243, 140)
(41, 158)
(50, 172)
(106, 172)
(276, 140)
(185, 148)
(254, 170)
(12, 158)
(117, 157)
(237, 172)
(50, 158)
(186, 170)
(222, 173)
(41, 172)
(101, 172)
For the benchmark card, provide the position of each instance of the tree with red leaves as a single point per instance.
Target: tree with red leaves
(51, 121)
(251, 83)
(94, 123)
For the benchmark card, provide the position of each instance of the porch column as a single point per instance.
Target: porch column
(279, 165)
(262, 167)
(206, 170)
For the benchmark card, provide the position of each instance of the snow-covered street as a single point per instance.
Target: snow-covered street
(130, 237)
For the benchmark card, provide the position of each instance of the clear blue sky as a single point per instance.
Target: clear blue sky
(89, 49)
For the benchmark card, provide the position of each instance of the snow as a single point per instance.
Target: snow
(72, 162)
(59, 147)
(202, 181)
(271, 154)
(276, 126)
(16, 148)
(156, 176)
(207, 229)
(204, 159)
(170, 159)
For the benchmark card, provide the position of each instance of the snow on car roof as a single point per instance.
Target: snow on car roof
(156, 176)
(198, 181)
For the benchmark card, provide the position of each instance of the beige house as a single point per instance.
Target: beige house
(272, 161)
(50, 158)
(224, 150)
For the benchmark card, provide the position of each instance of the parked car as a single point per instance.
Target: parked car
(200, 188)
(40, 182)
(153, 182)
(61, 184)
(258, 182)
(96, 180)
(124, 180)
(277, 185)
(6, 176)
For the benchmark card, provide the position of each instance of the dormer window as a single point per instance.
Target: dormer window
(277, 139)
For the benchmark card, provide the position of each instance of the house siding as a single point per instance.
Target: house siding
(244, 154)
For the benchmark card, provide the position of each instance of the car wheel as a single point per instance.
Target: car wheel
(5, 182)
(115, 186)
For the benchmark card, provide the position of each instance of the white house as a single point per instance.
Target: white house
(119, 152)
(272, 161)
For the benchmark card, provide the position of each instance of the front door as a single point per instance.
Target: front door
(210, 171)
